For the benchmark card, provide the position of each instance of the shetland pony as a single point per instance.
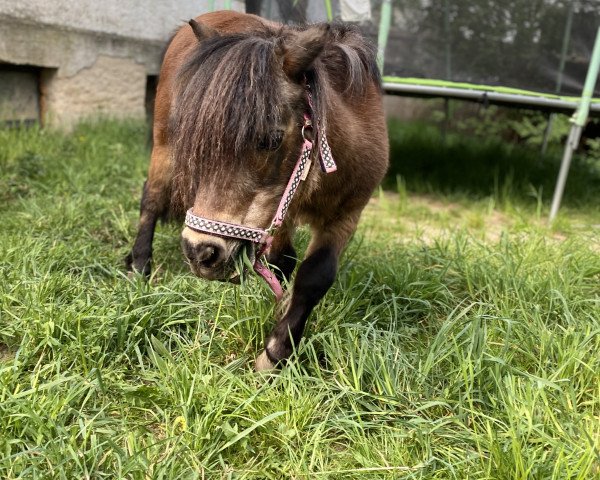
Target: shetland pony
(240, 102)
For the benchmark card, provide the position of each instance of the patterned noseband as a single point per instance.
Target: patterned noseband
(265, 237)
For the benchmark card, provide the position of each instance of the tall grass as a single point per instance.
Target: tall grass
(438, 353)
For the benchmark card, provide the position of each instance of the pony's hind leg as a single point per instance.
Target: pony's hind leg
(315, 276)
(154, 204)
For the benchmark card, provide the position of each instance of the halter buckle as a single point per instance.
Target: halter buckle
(307, 124)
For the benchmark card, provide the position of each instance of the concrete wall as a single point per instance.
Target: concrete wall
(93, 56)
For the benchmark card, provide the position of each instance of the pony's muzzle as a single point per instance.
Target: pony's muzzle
(210, 257)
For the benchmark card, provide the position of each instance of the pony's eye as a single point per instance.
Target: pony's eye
(272, 141)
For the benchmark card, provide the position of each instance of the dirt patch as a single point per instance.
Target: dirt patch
(430, 218)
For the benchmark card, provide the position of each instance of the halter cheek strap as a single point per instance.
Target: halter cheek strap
(265, 237)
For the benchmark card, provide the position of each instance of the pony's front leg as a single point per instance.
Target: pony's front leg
(154, 204)
(314, 278)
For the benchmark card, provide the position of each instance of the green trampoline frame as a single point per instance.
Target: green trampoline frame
(424, 87)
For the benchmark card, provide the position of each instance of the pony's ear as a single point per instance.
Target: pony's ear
(300, 50)
(202, 31)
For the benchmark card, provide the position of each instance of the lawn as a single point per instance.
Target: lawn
(460, 340)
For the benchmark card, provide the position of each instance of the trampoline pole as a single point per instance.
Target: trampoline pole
(448, 58)
(579, 119)
(570, 147)
(448, 46)
(384, 31)
(547, 132)
(561, 70)
(329, 10)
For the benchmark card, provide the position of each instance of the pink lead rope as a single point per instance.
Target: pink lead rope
(265, 237)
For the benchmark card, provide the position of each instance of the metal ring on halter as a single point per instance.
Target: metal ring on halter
(307, 124)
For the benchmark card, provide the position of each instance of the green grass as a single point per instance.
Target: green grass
(460, 340)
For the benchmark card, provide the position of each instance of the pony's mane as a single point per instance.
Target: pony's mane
(349, 60)
(227, 95)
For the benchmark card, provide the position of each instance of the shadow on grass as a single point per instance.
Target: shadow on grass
(480, 167)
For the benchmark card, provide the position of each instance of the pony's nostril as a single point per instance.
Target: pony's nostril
(208, 255)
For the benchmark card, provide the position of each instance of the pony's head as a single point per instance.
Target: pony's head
(236, 130)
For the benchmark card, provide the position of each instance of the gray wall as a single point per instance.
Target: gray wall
(140, 19)
(93, 56)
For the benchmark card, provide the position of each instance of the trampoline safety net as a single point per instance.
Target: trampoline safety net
(535, 45)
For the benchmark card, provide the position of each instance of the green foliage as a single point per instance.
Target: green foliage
(532, 127)
(593, 145)
(483, 164)
(526, 127)
(438, 353)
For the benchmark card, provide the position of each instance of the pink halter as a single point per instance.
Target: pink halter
(265, 237)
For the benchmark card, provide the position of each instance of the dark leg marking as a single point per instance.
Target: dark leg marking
(140, 257)
(315, 276)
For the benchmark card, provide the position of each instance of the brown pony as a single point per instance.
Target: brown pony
(234, 93)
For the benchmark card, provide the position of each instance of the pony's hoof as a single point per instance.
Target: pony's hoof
(135, 268)
(263, 363)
